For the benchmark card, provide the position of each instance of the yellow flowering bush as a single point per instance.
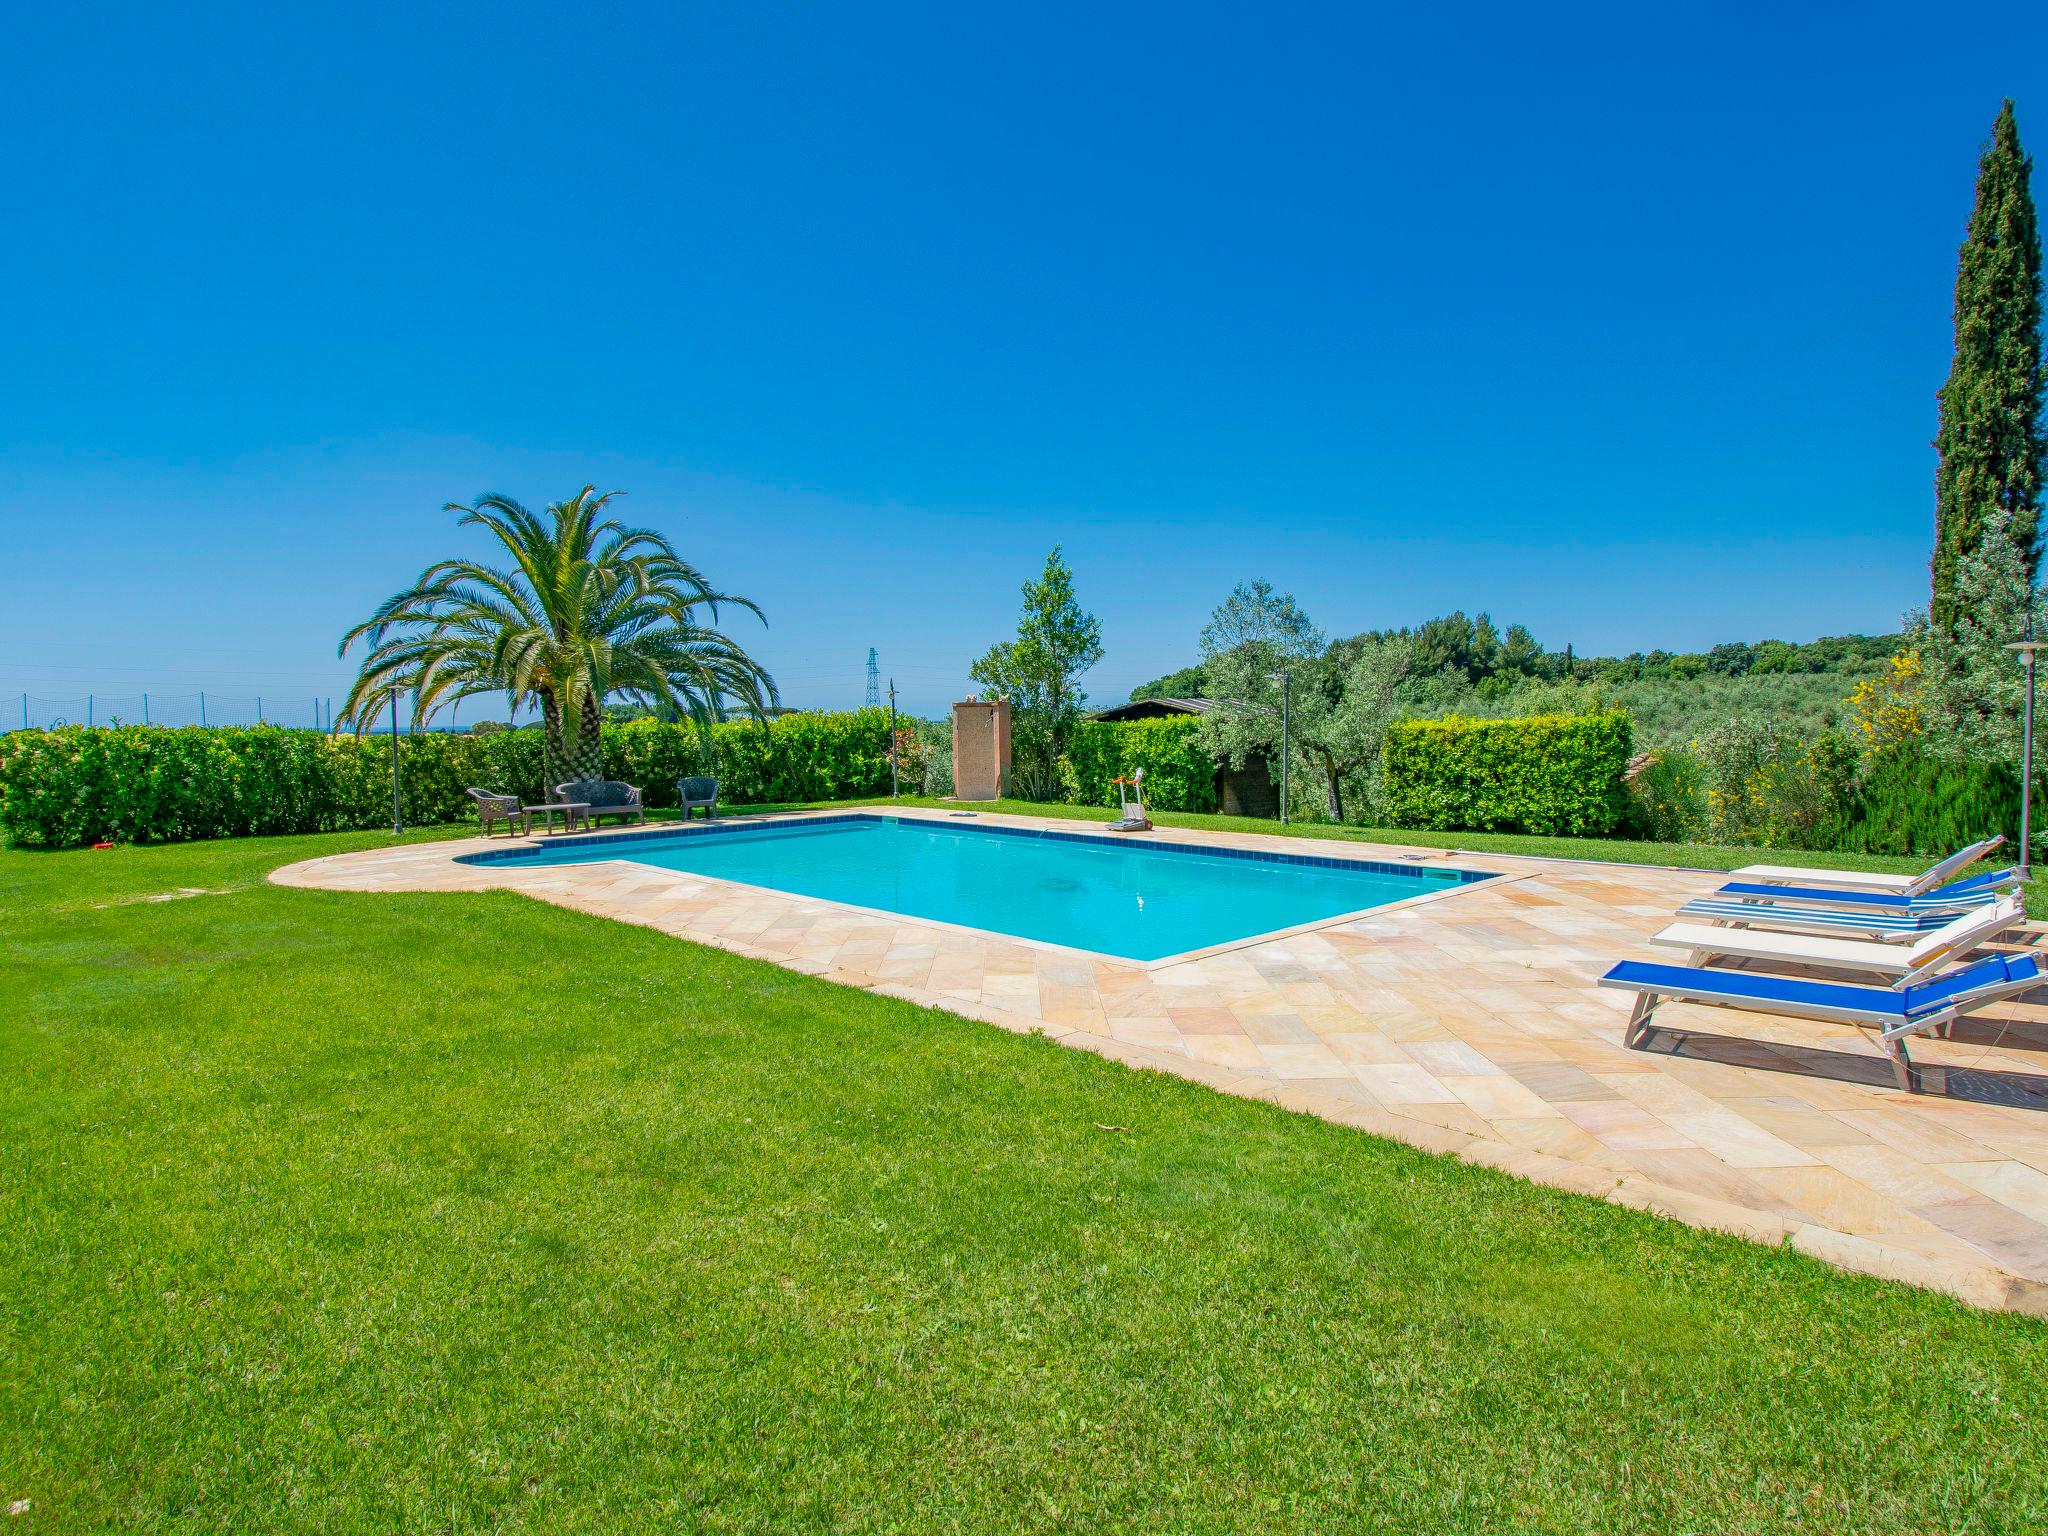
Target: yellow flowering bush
(1887, 708)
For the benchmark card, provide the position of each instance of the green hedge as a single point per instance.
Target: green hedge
(1910, 804)
(1180, 775)
(136, 783)
(1558, 775)
(814, 756)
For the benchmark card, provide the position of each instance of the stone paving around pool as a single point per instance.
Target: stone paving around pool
(1469, 1025)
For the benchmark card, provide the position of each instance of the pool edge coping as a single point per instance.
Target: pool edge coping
(1475, 879)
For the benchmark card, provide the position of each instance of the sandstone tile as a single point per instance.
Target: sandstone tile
(2008, 1238)
(1738, 1142)
(1306, 1060)
(2013, 1185)
(1225, 1050)
(1560, 1082)
(1392, 1084)
(1623, 1126)
(1499, 1097)
(1558, 1137)
(1445, 1057)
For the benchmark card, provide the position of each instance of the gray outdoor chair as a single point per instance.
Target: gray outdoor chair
(605, 797)
(696, 791)
(491, 809)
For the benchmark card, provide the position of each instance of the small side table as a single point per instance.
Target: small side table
(571, 812)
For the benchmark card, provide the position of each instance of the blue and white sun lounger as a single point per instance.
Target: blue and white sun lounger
(1893, 1013)
(1863, 880)
(1787, 917)
(1956, 896)
(1900, 964)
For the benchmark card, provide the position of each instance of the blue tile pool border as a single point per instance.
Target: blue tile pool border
(510, 854)
(533, 847)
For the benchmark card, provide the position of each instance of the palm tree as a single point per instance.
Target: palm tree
(587, 608)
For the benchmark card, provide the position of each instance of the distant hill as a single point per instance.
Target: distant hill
(1483, 655)
(1467, 666)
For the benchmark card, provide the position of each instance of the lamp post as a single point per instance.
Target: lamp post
(397, 821)
(893, 790)
(2026, 649)
(1285, 680)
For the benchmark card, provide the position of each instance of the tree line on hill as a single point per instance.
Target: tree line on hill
(1492, 662)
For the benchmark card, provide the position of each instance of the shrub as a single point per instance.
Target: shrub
(138, 783)
(1886, 708)
(802, 757)
(1910, 803)
(1816, 787)
(134, 783)
(913, 751)
(1668, 798)
(1550, 774)
(1767, 786)
(1744, 759)
(1180, 775)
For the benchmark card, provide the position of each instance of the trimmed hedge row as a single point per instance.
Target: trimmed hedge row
(1179, 773)
(817, 755)
(135, 783)
(1558, 775)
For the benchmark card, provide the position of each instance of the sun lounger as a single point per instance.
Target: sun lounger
(1789, 917)
(1858, 880)
(1894, 1013)
(1973, 891)
(1906, 963)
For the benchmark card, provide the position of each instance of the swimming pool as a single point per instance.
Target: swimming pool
(1134, 898)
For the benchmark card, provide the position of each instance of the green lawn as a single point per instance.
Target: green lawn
(354, 1213)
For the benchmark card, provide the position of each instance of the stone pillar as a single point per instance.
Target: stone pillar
(981, 749)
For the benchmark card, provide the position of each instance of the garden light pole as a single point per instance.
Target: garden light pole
(1286, 682)
(397, 822)
(2026, 649)
(893, 790)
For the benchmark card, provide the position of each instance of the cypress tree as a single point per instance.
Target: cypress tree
(1990, 439)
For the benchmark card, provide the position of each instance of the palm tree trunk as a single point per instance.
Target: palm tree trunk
(588, 754)
(566, 762)
(554, 762)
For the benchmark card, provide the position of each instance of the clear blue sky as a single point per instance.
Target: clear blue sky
(1624, 324)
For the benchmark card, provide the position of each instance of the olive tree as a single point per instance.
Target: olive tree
(1341, 697)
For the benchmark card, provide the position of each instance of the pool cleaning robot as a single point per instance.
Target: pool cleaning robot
(1132, 804)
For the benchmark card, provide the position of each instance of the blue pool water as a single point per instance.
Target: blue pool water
(1136, 899)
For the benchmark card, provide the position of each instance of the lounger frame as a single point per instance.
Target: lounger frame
(1937, 874)
(1891, 1028)
(1980, 891)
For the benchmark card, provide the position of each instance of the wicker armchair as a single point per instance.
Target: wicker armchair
(491, 809)
(696, 791)
(605, 797)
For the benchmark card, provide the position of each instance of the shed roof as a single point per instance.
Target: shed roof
(1153, 709)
